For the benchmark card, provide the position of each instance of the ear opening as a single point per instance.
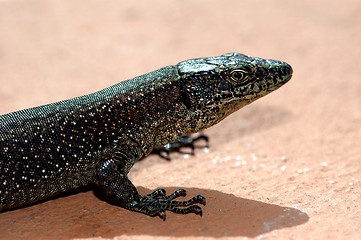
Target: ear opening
(187, 100)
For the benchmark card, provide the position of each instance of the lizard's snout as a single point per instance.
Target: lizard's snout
(287, 70)
(281, 70)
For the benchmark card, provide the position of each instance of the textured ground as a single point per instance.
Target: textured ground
(286, 167)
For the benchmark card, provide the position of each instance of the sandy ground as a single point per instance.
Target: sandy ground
(285, 167)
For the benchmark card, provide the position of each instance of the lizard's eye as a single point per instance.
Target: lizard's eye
(238, 75)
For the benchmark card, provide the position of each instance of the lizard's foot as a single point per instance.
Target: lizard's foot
(156, 203)
(185, 141)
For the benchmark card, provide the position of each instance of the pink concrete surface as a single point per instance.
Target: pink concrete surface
(286, 167)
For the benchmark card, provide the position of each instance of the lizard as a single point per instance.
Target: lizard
(95, 139)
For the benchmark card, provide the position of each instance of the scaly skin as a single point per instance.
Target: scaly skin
(96, 139)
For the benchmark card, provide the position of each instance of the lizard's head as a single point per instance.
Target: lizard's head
(215, 87)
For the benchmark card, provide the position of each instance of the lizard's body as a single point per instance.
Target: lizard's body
(95, 139)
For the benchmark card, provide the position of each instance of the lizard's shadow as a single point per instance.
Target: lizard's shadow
(225, 215)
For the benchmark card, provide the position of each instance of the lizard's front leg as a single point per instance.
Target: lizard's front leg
(111, 178)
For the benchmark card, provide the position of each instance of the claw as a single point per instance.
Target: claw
(197, 210)
(162, 215)
(156, 203)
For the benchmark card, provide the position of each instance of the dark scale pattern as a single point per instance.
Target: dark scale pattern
(96, 139)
